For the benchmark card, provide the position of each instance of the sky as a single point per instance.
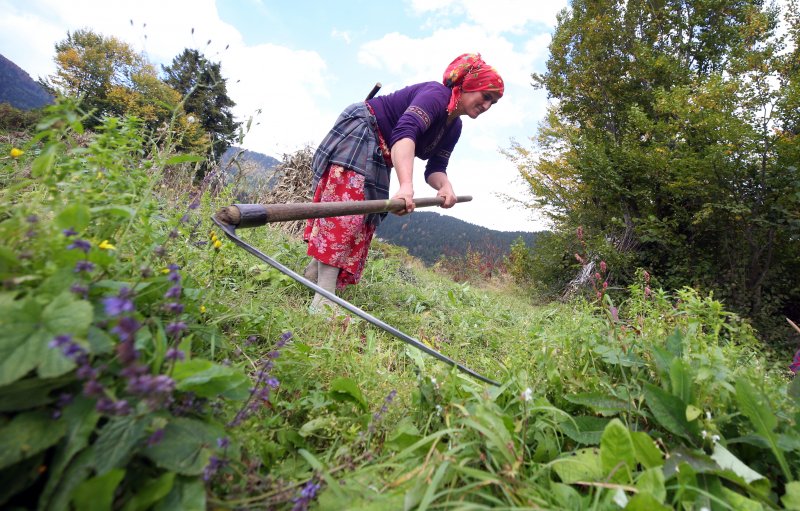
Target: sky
(292, 67)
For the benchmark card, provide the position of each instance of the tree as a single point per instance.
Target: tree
(111, 79)
(205, 97)
(663, 140)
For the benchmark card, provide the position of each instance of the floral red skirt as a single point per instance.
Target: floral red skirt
(341, 241)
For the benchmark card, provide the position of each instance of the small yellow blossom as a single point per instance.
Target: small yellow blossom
(16, 153)
(217, 244)
(202, 309)
(165, 271)
(105, 245)
(100, 175)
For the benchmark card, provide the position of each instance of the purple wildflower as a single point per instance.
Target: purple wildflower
(194, 205)
(160, 251)
(80, 290)
(117, 305)
(32, 219)
(173, 234)
(126, 328)
(69, 232)
(174, 307)
(156, 437)
(176, 328)
(307, 495)
(214, 464)
(80, 245)
(175, 354)
(223, 442)
(84, 265)
(185, 218)
(173, 292)
(93, 388)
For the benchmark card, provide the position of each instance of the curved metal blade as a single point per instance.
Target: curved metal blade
(230, 232)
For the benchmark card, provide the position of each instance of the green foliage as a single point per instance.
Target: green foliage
(669, 143)
(173, 373)
(205, 95)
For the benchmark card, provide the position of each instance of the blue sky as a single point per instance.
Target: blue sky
(294, 66)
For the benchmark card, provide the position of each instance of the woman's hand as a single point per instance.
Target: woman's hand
(440, 182)
(406, 193)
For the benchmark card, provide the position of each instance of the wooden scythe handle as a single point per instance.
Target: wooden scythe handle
(255, 215)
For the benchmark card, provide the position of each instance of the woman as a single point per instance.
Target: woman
(355, 159)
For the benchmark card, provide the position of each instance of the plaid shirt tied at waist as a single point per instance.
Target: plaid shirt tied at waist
(353, 144)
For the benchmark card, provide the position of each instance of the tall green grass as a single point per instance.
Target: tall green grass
(228, 394)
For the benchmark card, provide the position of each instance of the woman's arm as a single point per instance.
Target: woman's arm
(403, 161)
(439, 181)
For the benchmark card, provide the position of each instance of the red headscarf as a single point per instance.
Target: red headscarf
(469, 73)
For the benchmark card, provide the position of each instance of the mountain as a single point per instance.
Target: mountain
(18, 89)
(258, 172)
(429, 235)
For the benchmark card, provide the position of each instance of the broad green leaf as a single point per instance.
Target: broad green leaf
(684, 462)
(207, 379)
(681, 381)
(30, 393)
(315, 424)
(616, 452)
(645, 502)
(81, 418)
(187, 494)
(585, 429)
(651, 482)
(668, 410)
(186, 446)
(27, 434)
(116, 441)
(755, 407)
(726, 460)
(580, 465)
(791, 499)
(647, 452)
(75, 216)
(26, 329)
(97, 493)
(404, 435)
(346, 389)
(739, 502)
(151, 492)
(599, 401)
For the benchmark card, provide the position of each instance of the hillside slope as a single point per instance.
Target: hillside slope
(18, 89)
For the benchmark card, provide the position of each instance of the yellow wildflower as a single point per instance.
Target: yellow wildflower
(202, 309)
(217, 244)
(165, 271)
(16, 153)
(100, 175)
(105, 245)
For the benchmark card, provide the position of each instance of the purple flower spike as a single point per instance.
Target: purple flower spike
(175, 328)
(84, 266)
(126, 328)
(117, 305)
(69, 232)
(175, 354)
(156, 437)
(80, 244)
(173, 292)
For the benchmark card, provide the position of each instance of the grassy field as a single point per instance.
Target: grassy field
(148, 363)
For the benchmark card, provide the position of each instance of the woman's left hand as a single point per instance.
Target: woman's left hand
(441, 182)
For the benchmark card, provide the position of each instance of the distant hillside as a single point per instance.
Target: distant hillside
(258, 171)
(429, 235)
(18, 89)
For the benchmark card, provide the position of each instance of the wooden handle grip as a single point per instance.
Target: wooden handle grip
(255, 215)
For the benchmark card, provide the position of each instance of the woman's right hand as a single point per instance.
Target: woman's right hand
(405, 193)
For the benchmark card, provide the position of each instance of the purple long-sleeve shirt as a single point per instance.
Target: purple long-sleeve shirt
(419, 112)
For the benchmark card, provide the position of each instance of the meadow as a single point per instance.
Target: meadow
(147, 363)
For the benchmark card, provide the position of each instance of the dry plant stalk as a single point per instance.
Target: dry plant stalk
(294, 176)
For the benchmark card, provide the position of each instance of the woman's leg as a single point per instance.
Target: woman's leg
(326, 279)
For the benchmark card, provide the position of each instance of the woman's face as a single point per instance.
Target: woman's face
(475, 103)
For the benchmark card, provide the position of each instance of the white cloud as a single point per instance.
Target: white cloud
(495, 16)
(344, 35)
